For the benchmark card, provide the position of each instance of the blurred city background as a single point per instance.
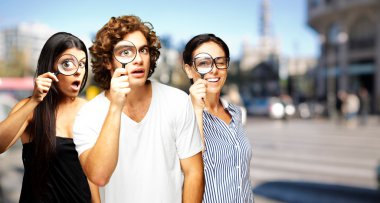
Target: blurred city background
(306, 72)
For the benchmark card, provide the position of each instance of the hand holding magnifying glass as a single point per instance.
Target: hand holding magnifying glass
(67, 65)
(202, 65)
(124, 52)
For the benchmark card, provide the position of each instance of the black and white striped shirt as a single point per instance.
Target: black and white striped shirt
(226, 159)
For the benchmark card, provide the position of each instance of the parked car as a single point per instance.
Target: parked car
(272, 107)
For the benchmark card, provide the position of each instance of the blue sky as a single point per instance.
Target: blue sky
(233, 21)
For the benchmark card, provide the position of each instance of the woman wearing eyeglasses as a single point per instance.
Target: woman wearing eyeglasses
(227, 151)
(43, 122)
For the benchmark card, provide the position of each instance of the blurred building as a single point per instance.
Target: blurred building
(299, 74)
(23, 42)
(258, 75)
(169, 65)
(349, 33)
(268, 46)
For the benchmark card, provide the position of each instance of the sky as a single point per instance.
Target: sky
(233, 21)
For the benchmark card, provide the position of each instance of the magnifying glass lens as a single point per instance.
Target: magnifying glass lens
(203, 64)
(68, 65)
(125, 51)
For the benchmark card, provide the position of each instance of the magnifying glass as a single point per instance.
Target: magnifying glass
(203, 63)
(125, 52)
(68, 65)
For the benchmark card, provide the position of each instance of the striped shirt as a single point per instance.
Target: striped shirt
(226, 159)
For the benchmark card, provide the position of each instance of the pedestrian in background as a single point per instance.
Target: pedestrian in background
(365, 105)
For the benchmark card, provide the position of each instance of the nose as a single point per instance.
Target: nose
(138, 58)
(79, 71)
(213, 68)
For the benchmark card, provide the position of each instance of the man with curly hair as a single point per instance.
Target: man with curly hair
(138, 138)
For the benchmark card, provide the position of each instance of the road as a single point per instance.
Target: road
(314, 150)
(310, 150)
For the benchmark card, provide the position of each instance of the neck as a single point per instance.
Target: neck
(212, 102)
(66, 100)
(138, 94)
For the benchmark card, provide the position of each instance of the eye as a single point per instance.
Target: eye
(125, 53)
(203, 62)
(82, 64)
(221, 61)
(68, 64)
(145, 50)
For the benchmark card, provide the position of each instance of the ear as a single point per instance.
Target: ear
(109, 66)
(188, 71)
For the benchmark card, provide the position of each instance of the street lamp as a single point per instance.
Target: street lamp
(337, 38)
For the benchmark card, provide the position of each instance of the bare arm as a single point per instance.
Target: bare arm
(17, 121)
(14, 125)
(194, 182)
(198, 94)
(100, 161)
(95, 195)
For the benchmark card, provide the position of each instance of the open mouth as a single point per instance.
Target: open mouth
(138, 71)
(75, 85)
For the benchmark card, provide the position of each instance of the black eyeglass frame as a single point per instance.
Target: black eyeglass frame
(213, 64)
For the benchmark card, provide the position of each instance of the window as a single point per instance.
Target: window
(362, 34)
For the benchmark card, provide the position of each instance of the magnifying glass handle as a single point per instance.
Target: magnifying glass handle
(123, 65)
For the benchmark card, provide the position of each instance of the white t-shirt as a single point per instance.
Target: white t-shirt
(148, 169)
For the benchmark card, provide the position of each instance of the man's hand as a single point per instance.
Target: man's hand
(119, 87)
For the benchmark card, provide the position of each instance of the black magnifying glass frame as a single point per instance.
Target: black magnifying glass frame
(117, 49)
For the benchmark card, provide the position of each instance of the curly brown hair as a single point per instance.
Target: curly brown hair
(109, 35)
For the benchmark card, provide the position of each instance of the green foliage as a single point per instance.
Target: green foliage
(16, 66)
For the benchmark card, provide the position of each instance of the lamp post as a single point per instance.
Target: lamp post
(338, 39)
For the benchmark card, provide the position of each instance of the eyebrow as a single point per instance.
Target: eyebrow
(143, 46)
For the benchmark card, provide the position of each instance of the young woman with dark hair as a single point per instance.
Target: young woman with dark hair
(43, 122)
(227, 152)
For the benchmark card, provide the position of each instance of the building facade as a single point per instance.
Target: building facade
(24, 42)
(349, 35)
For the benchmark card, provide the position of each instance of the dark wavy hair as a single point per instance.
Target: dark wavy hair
(197, 41)
(42, 128)
(109, 35)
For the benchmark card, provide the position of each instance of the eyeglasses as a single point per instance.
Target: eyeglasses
(203, 63)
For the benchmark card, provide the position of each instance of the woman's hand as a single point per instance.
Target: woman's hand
(198, 94)
(42, 85)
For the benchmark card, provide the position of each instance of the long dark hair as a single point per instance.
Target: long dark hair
(43, 125)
